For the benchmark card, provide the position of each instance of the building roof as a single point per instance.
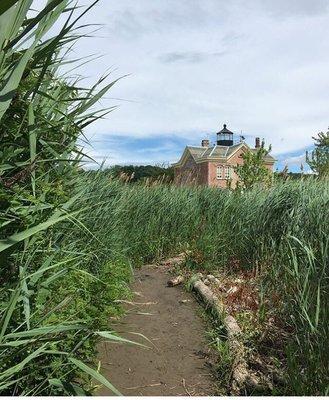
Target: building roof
(217, 152)
(225, 131)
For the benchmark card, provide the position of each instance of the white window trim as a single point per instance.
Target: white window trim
(219, 172)
(227, 172)
(224, 172)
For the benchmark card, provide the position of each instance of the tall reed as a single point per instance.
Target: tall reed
(47, 330)
(281, 231)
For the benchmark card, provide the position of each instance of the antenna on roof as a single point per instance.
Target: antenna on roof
(208, 137)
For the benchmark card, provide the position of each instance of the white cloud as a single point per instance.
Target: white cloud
(295, 161)
(152, 156)
(260, 66)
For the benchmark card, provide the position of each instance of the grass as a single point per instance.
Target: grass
(217, 339)
(281, 232)
(56, 294)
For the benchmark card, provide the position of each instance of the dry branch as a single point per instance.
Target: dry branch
(144, 386)
(209, 297)
(240, 373)
(133, 303)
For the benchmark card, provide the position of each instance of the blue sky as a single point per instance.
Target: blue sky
(261, 66)
(164, 150)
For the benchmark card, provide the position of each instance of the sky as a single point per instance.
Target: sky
(260, 66)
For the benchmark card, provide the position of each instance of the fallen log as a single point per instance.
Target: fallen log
(240, 373)
(209, 297)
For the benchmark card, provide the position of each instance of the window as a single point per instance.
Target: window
(227, 172)
(219, 172)
(224, 172)
(225, 136)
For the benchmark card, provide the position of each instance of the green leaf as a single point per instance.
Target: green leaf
(318, 306)
(96, 375)
(18, 237)
(6, 4)
(9, 311)
(17, 343)
(12, 79)
(54, 219)
(45, 330)
(32, 142)
(18, 367)
(25, 296)
(89, 103)
(70, 388)
(115, 338)
(8, 384)
(46, 12)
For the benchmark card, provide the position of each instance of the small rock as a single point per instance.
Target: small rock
(184, 301)
(211, 278)
(206, 282)
(176, 281)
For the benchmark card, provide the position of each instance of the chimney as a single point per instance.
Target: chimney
(257, 143)
(205, 143)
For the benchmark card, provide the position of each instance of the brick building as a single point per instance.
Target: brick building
(214, 165)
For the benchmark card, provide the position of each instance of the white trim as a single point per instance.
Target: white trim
(212, 150)
(240, 145)
(223, 175)
(204, 152)
(219, 172)
(227, 172)
(181, 161)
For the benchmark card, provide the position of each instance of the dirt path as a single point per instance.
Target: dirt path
(177, 362)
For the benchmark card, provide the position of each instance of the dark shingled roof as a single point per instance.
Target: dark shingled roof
(219, 152)
(225, 131)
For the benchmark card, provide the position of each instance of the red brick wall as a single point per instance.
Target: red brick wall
(206, 173)
(235, 160)
(188, 173)
(191, 173)
(203, 173)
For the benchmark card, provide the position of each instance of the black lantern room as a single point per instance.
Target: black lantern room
(225, 137)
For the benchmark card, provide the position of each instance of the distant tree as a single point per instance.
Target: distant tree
(318, 160)
(253, 170)
(286, 175)
(135, 173)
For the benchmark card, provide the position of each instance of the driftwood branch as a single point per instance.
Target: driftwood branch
(240, 373)
(209, 297)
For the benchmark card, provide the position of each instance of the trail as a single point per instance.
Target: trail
(177, 362)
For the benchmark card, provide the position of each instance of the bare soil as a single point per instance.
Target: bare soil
(178, 361)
